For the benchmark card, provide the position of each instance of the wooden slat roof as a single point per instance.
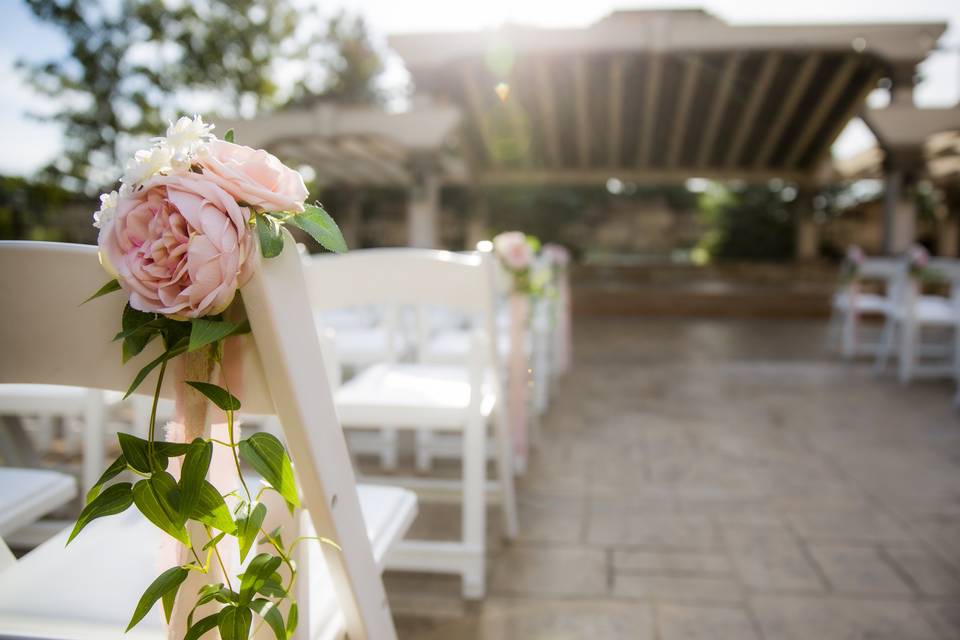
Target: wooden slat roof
(657, 96)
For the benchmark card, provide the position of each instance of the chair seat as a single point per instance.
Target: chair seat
(409, 395)
(452, 346)
(80, 593)
(363, 346)
(26, 495)
(865, 302)
(48, 399)
(933, 310)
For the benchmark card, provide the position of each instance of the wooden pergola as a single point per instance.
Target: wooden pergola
(659, 96)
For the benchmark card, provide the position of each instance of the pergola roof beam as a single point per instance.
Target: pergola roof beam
(615, 110)
(748, 117)
(647, 118)
(582, 109)
(828, 99)
(691, 75)
(785, 114)
(548, 113)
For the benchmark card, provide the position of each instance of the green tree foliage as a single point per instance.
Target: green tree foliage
(749, 223)
(134, 65)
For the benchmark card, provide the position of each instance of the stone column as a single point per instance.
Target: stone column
(807, 241)
(423, 210)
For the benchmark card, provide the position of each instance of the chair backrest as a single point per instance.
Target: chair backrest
(884, 269)
(949, 270)
(47, 337)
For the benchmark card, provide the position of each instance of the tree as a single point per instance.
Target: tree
(136, 64)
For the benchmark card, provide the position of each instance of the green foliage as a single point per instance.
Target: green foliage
(248, 527)
(115, 499)
(218, 395)
(266, 454)
(321, 227)
(132, 66)
(169, 580)
(751, 223)
(271, 239)
(110, 287)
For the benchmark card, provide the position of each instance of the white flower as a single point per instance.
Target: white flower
(146, 163)
(513, 249)
(186, 136)
(108, 207)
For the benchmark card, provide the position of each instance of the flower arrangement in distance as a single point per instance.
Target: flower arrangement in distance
(516, 251)
(852, 261)
(186, 229)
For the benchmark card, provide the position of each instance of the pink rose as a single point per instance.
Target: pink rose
(254, 177)
(513, 249)
(180, 246)
(556, 253)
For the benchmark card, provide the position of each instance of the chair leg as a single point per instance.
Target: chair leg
(93, 440)
(908, 352)
(505, 473)
(885, 346)
(388, 449)
(849, 334)
(474, 505)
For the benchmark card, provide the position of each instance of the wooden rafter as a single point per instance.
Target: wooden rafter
(548, 113)
(828, 99)
(724, 91)
(691, 75)
(599, 176)
(748, 117)
(648, 116)
(855, 105)
(787, 110)
(615, 110)
(582, 106)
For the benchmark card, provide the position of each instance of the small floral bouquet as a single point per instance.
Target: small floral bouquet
(852, 262)
(186, 229)
(516, 251)
(918, 264)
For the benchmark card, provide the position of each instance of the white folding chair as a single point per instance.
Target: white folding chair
(26, 495)
(441, 398)
(911, 313)
(80, 592)
(851, 305)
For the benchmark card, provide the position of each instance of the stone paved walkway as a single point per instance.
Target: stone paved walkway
(724, 480)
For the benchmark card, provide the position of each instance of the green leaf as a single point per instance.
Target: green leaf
(137, 334)
(171, 449)
(212, 511)
(110, 287)
(204, 332)
(258, 572)
(271, 239)
(293, 616)
(116, 498)
(171, 579)
(201, 626)
(115, 469)
(218, 395)
(153, 364)
(158, 500)
(208, 593)
(136, 451)
(248, 527)
(269, 612)
(214, 541)
(193, 475)
(228, 136)
(234, 623)
(273, 535)
(321, 227)
(273, 588)
(266, 454)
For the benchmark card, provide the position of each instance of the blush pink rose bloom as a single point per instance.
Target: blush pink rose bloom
(253, 177)
(180, 246)
(513, 249)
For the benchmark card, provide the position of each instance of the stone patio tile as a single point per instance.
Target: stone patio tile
(530, 619)
(678, 588)
(655, 530)
(770, 558)
(551, 571)
(931, 575)
(834, 618)
(858, 570)
(671, 563)
(686, 622)
(848, 526)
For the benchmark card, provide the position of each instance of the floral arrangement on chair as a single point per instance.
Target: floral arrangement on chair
(516, 252)
(852, 262)
(918, 265)
(186, 229)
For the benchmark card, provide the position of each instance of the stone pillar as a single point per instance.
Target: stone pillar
(423, 210)
(807, 241)
(899, 211)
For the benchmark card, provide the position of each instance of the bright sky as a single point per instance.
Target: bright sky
(29, 144)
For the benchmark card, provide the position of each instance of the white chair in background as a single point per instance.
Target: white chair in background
(912, 313)
(851, 304)
(442, 398)
(88, 590)
(27, 495)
